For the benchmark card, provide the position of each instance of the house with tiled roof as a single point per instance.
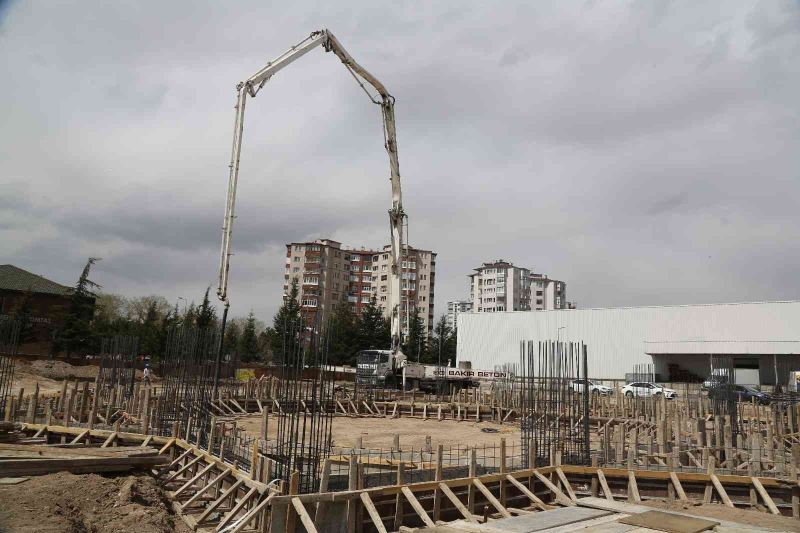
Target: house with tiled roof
(48, 301)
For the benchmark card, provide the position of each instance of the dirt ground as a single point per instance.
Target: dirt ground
(71, 503)
(50, 374)
(379, 432)
(721, 512)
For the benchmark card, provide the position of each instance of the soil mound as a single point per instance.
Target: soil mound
(72, 503)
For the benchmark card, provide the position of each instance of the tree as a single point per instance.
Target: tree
(288, 326)
(206, 313)
(416, 344)
(248, 343)
(148, 329)
(232, 335)
(76, 332)
(374, 329)
(265, 344)
(443, 344)
(137, 308)
(344, 335)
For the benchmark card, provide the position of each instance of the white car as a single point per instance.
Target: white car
(644, 389)
(594, 388)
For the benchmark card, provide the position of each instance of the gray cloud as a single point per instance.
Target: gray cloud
(643, 152)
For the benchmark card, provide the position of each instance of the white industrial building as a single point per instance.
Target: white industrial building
(762, 338)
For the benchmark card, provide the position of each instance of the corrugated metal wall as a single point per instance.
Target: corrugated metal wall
(619, 338)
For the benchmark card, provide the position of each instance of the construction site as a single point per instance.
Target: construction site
(530, 430)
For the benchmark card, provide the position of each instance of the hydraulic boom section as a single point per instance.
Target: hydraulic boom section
(251, 87)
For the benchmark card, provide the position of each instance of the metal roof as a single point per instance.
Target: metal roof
(16, 279)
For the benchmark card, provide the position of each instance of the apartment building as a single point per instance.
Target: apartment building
(454, 309)
(328, 274)
(548, 294)
(501, 286)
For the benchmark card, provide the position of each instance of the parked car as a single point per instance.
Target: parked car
(742, 393)
(644, 389)
(718, 376)
(579, 384)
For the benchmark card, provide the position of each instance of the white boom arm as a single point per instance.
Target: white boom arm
(252, 86)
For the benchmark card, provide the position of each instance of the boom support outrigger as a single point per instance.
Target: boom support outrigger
(251, 87)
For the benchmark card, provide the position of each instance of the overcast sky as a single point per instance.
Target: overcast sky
(643, 152)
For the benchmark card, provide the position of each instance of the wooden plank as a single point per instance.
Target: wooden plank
(202, 491)
(765, 496)
(252, 513)
(373, 512)
(236, 509)
(457, 503)
(524, 490)
(669, 522)
(721, 490)
(562, 498)
(170, 443)
(678, 487)
(633, 488)
(193, 480)
(146, 442)
(183, 469)
(604, 485)
(418, 507)
(565, 482)
(81, 436)
(490, 497)
(308, 523)
(216, 503)
(110, 440)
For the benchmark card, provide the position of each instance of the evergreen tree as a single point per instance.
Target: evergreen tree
(416, 340)
(265, 344)
(344, 335)
(190, 315)
(443, 344)
(288, 327)
(148, 329)
(232, 338)
(374, 329)
(248, 342)
(76, 333)
(206, 313)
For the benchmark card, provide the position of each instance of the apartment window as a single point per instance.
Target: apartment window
(538, 302)
(336, 286)
(355, 268)
(383, 298)
(383, 288)
(298, 247)
(315, 248)
(383, 278)
(347, 267)
(383, 268)
(296, 269)
(296, 259)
